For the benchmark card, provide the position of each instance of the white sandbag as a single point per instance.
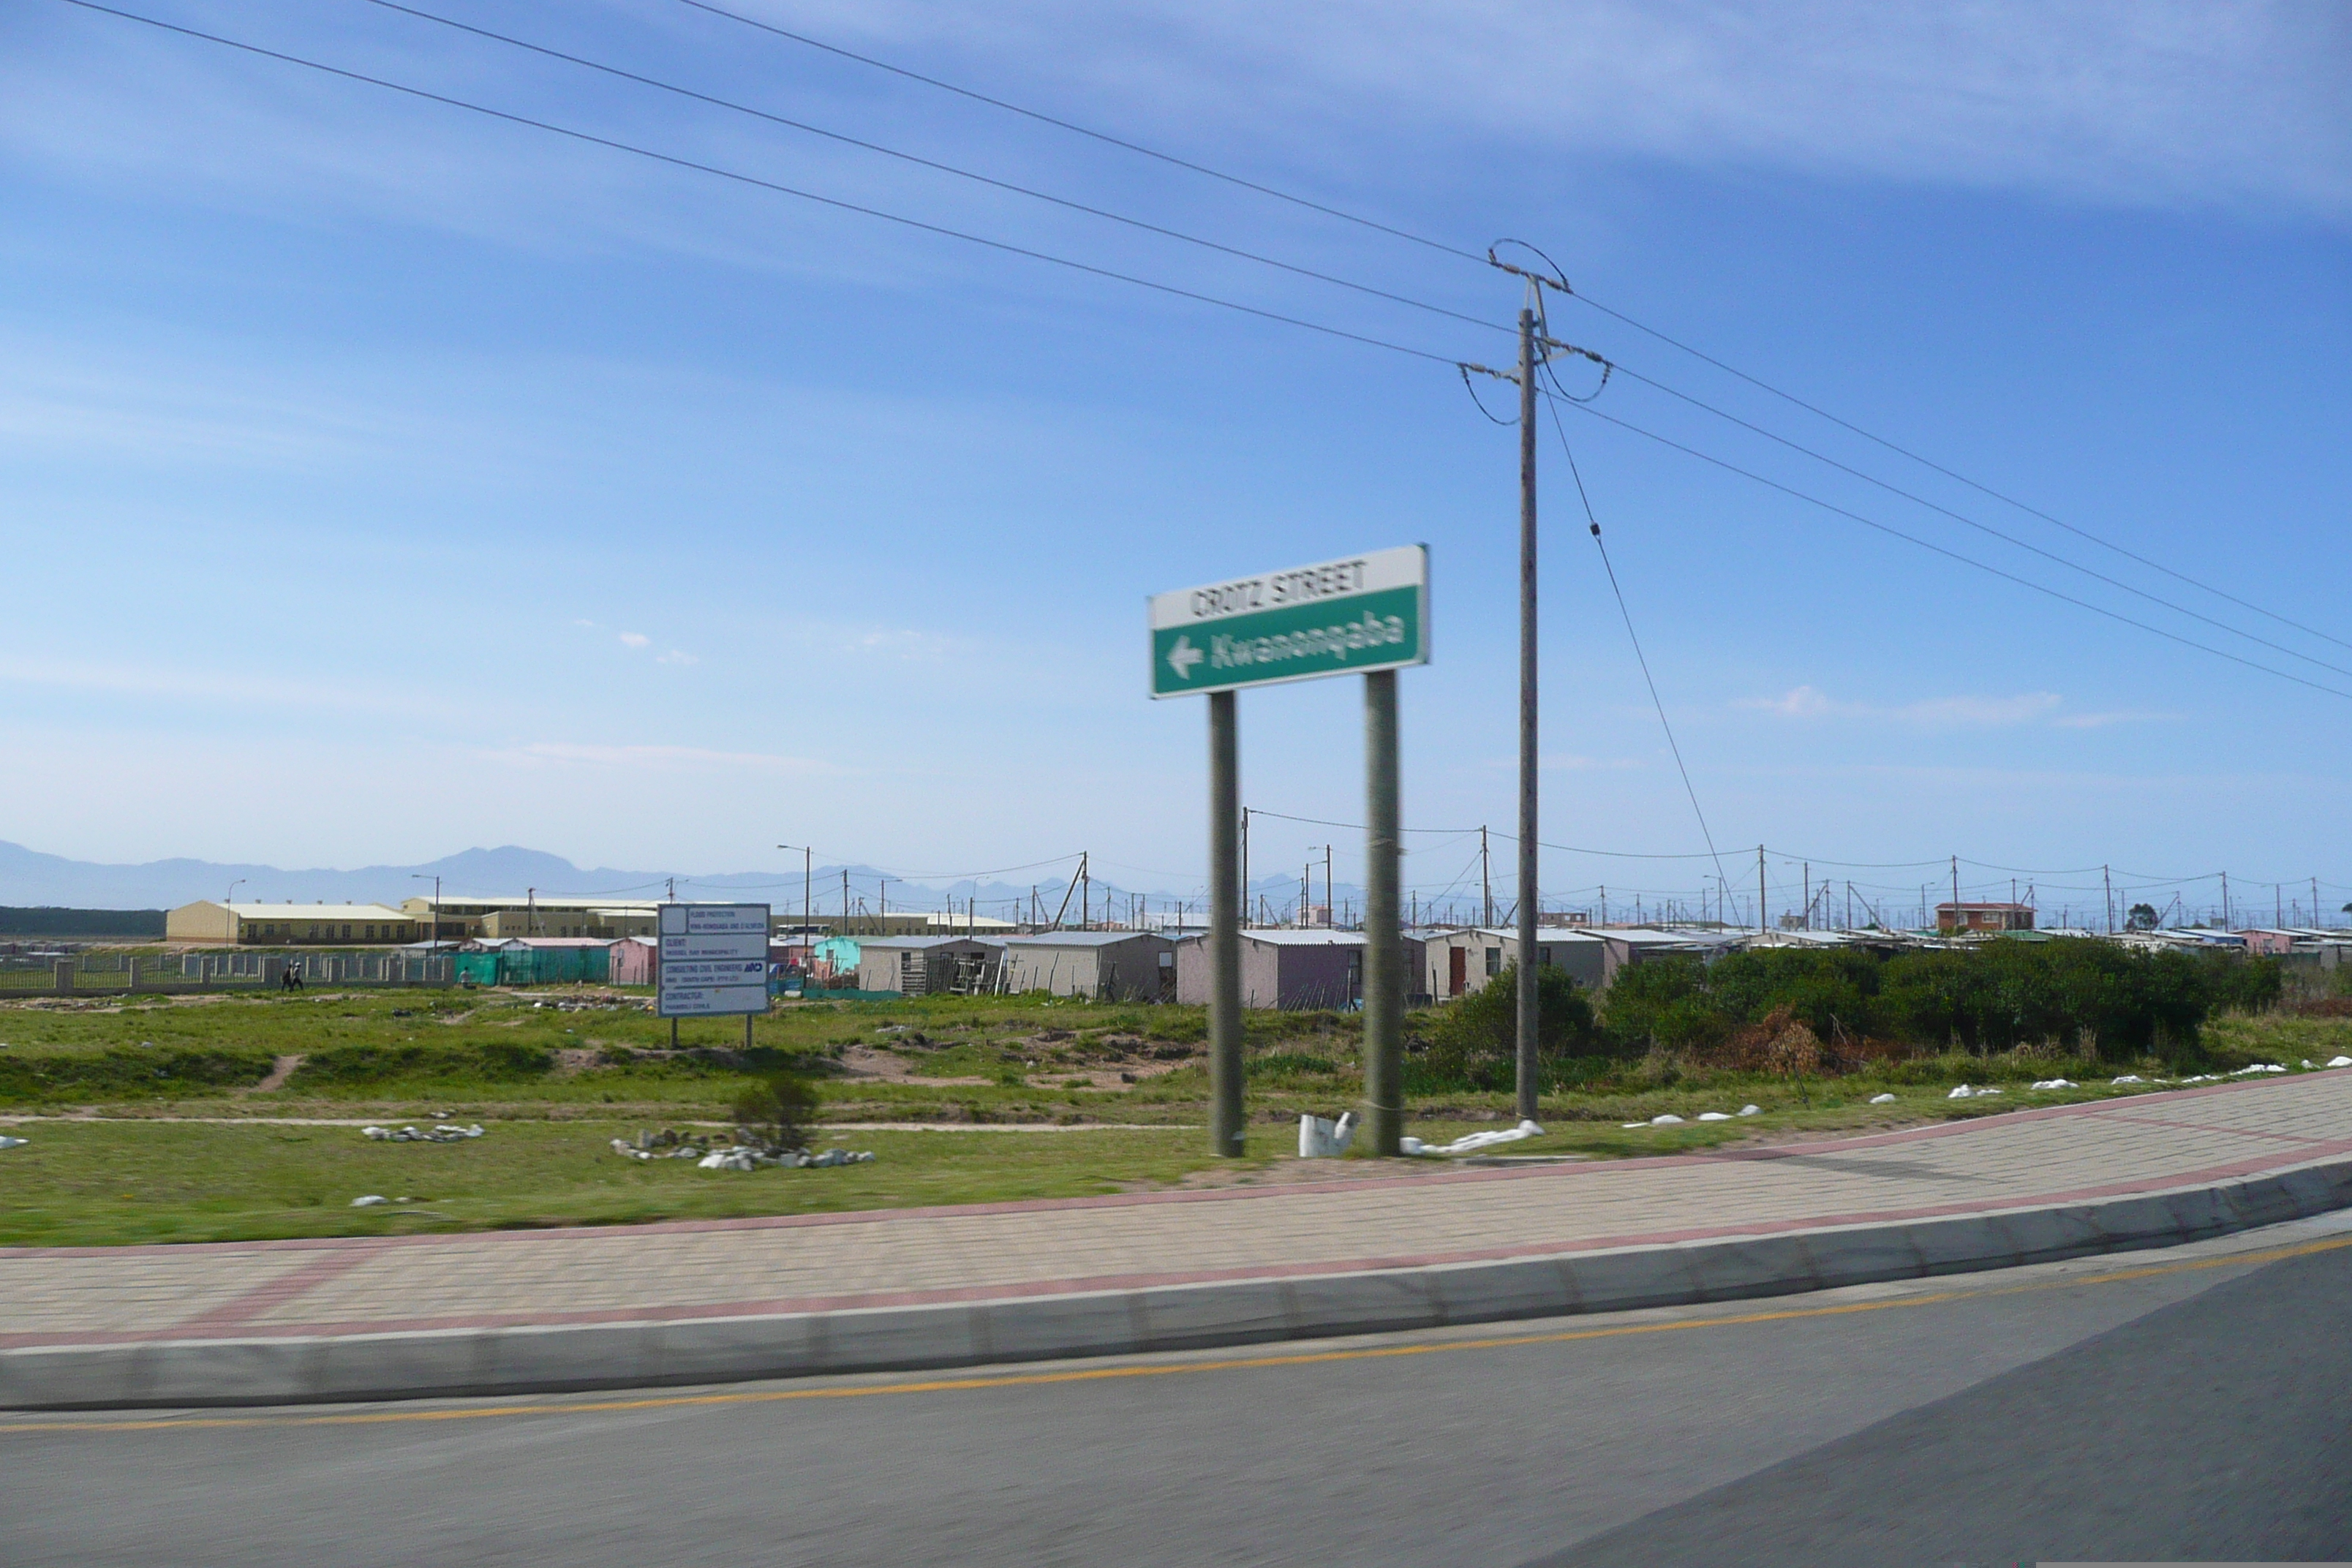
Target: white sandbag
(1751, 1110)
(1319, 1138)
(370, 1201)
(2056, 1083)
(1667, 1119)
(2340, 1061)
(13, 1142)
(1470, 1142)
(1882, 1100)
(2128, 1077)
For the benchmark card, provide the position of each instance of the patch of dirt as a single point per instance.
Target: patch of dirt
(570, 1060)
(888, 1066)
(279, 1072)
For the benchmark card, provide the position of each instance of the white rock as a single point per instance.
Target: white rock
(370, 1201)
(1714, 1116)
(13, 1142)
(1666, 1119)
(1882, 1100)
(1751, 1110)
(2340, 1061)
(2056, 1083)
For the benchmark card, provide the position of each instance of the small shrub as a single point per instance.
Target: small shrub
(1473, 1041)
(775, 1109)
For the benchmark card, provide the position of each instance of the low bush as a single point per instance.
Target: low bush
(2092, 998)
(122, 1071)
(1472, 1043)
(493, 1061)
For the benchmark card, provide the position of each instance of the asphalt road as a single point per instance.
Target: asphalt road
(2160, 1406)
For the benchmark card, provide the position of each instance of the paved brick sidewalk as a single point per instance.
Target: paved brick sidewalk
(93, 1295)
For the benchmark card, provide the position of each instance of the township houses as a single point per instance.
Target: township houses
(1108, 965)
(1287, 969)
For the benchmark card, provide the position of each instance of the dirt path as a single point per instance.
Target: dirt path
(279, 1072)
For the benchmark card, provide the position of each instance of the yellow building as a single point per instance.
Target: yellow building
(283, 925)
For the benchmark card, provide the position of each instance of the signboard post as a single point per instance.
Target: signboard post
(712, 963)
(1365, 614)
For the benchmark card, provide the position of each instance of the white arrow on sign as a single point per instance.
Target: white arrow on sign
(1184, 657)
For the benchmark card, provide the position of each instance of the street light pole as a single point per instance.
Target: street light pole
(808, 884)
(420, 876)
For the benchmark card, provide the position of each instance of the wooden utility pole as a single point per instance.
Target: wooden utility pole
(1485, 880)
(1530, 1066)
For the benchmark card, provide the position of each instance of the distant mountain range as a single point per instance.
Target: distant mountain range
(30, 879)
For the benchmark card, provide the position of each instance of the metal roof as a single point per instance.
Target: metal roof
(1078, 938)
(313, 912)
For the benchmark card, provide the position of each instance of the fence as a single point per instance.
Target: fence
(124, 970)
(536, 967)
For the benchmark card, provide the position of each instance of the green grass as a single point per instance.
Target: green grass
(555, 1085)
(106, 1182)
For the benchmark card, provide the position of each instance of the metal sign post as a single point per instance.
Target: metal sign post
(1364, 615)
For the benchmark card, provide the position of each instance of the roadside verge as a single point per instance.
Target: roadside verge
(1771, 1260)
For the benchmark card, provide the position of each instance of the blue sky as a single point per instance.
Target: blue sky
(379, 480)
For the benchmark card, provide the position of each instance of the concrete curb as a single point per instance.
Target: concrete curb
(439, 1363)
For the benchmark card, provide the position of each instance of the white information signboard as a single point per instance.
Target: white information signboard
(713, 961)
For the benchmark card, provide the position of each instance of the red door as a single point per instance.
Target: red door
(1457, 970)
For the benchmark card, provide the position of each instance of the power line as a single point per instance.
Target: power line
(1104, 137)
(1326, 210)
(1947, 554)
(1005, 247)
(1017, 189)
(1172, 289)
(1962, 518)
(1954, 475)
(1631, 635)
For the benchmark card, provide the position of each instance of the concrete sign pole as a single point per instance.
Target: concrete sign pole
(1365, 614)
(1384, 987)
(1227, 1124)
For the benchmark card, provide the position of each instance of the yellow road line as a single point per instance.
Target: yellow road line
(1108, 1373)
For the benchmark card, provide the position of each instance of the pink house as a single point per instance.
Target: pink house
(633, 961)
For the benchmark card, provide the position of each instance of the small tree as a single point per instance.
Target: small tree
(2142, 918)
(773, 1110)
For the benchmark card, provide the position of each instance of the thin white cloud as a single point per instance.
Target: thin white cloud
(184, 682)
(651, 759)
(1811, 703)
(635, 639)
(2135, 101)
(675, 656)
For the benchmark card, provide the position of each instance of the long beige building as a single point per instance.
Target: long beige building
(529, 915)
(277, 925)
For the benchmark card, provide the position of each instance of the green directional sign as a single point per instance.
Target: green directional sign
(1335, 617)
